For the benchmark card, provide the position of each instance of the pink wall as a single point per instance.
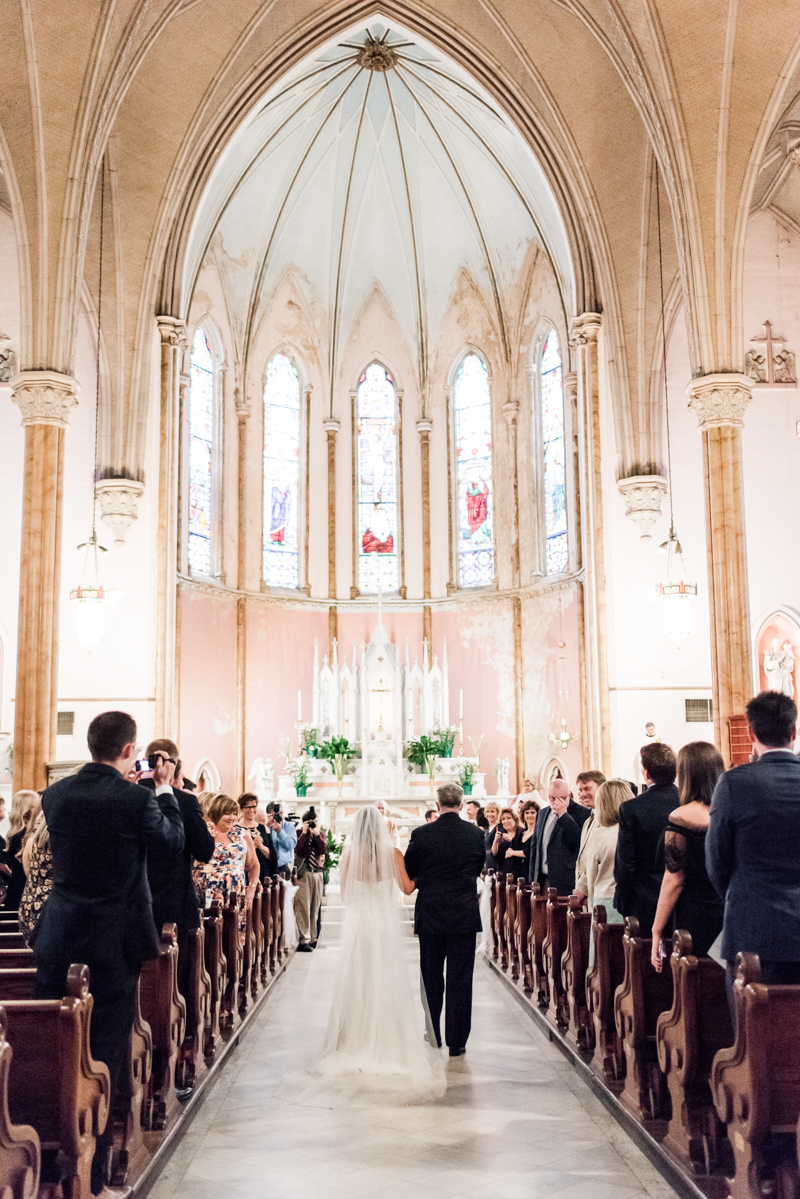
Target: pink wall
(208, 683)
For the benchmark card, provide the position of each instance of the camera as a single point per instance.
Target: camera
(311, 818)
(142, 764)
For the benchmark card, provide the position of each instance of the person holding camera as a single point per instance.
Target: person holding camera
(284, 838)
(310, 862)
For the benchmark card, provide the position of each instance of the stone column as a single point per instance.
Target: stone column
(331, 429)
(424, 428)
(719, 402)
(242, 413)
(173, 342)
(511, 413)
(597, 707)
(45, 399)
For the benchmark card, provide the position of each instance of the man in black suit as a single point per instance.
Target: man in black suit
(557, 839)
(642, 821)
(99, 911)
(445, 858)
(751, 845)
(170, 873)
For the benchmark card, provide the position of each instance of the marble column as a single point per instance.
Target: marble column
(45, 399)
(597, 742)
(511, 414)
(719, 401)
(173, 342)
(424, 428)
(331, 429)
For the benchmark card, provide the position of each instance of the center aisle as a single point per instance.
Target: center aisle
(516, 1121)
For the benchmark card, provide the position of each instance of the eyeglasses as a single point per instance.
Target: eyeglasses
(249, 807)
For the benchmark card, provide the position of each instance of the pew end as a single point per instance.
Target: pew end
(574, 964)
(603, 979)
(640, 999)
(20, 1153)
(164, 1009)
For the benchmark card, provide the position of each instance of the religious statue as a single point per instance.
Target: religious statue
(377, 537)
(778, 667)
(8, 359)
(784, 367)
(264, 777)
(755, 366)
(477, 499)
(501, 768)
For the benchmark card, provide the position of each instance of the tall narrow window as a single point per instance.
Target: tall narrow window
(376, 467)
(281, 472)
(201, 448)
(472, 410)
(555, 472)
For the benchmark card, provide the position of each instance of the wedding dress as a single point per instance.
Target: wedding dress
(374, 1050)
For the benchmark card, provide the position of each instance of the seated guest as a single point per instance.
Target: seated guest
(556, 840)
(507, 844)
(99, 911)
(37, 861)
(686, 887)
(751, 845)
(310, 863)
(528, 815)
(600, 849)
(233, 869)
(492, 814)
(475, 814)
(248, 820)
(641, 829)
(587, 783)
(23, 805)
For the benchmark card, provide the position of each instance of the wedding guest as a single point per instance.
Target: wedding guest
(37, 862)
(283, 836)
(641, 829)
(751, 845)
(248, 820)
(23, 805)
(600, 849)
(233, 868)
(310, 856)
(507, 844)
(476, 815)
(686, 887)
(526, 795)
(528, 819)
(587, 783)
(431, 814)
(556, 840)
(492, 814)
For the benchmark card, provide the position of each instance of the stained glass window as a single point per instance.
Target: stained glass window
(555, 472)
(376, 467)
(201, 441)
(473, 443)
(281, 472)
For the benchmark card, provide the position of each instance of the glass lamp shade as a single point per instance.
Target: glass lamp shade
(676, 610)
(90, 617)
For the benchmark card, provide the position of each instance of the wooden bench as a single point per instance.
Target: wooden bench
(232, 944)
(277, 923)
(54, 1084)
(256, 928)
(574, 963)
(511, 925)
(756, 1084)
(536, 939)
(491, 883)
(523, 934)
(11, 940)
(555, 943)
(18, 984)
(688, 1036)
(605, 976)
(17, 959)
(164, 1009)
(20, 1155)
(639, 1001)
(500, 920)
(131, 1106)
(197, 997)
(216, 968)
(267, 966)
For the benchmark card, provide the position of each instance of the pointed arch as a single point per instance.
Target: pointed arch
(204, 437)
(551, 450)
(282, 478)
(376, 463)
(472, 475)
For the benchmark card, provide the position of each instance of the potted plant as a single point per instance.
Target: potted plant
(447, 739)
(308, 735)
(296, 768)
(424, 752)
(466, 775)
(337, 751)
(334, 847)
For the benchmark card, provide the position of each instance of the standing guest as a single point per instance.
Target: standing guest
(587, 783)
(751, 845)
(390, 824)
(248, 820)
(527, 794)
(556, 840)
(283, 837)
(476, 815)
(37, 861)
(310, 857)
(233, 868)
(600, 849)
(431, 815)
(492, 814)
(507, 844)
(686, 887)
(100, 911)
(641, 829)
(530, 811)
(23, 805)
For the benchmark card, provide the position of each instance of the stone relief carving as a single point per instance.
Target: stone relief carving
(642, 495)
(776, 365)
(720, 399)
(8, 359)
(755, 366)
(45, 397)
(119, 505)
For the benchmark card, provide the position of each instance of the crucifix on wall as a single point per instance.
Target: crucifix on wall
(773, 368)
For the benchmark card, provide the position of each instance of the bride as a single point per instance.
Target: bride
(374, 1050)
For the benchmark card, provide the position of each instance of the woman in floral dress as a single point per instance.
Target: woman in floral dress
(38, 864)
(234, 866)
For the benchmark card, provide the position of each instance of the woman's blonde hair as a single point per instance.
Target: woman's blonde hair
(40, 833)
(21, 807)
(31, 819)
(219, 805)
(510, 812)
(491, 804)
(610, 797)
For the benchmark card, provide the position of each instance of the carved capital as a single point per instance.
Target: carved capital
(642, 495)
(424, 428)
(241, 405)
(583, 329)
(119, 504)
(331, 427)
(571, 387)
(44, 397)
(720, 399)
(172, 330)
(511, 412)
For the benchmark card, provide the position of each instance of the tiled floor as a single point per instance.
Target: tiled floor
(516, 1121)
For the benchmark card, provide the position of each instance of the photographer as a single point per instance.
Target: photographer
(283, 836)
(310, 860)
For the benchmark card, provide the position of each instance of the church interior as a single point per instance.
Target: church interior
(384, 369)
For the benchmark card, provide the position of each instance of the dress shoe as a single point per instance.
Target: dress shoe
(305, 947)
(458, 1052)
(110, 1193)
(314, 944)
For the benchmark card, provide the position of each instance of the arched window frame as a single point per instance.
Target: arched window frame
(303, 468)
(376, 360)
(456, 582)
(218, 368)
(539, 473)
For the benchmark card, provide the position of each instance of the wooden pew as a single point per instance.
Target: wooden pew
(131, 1107)
(54, 1084)
(536, 939)
(756, 1084)
(20, 1155)
(574, 963)
(639, 1001)
(511, 925)
(500, 920)
(216, 968)
(164, 1009)
(258, 943)
(491, 880)
(18, 984)
(688, 1036)
(283, 951)
(523, 934)
(555, 943)
(606, 975)
(267, 965)
(197, 998)
(232, 947)
(11, 940)
(250, 982)
(277, 923)
(17, 959)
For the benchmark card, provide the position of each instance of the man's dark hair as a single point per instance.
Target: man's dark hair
(108, 735)
(163, 745)
(429, 815)
(772, 716)
(660, 763)
(591, 776)
(450, 795)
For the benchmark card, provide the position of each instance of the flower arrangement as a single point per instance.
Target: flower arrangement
(308, 737)
(424, 752)
(477, 746)
(334, 848)
(466, 774)
(337, 751)
(447, 738)
(296, 768)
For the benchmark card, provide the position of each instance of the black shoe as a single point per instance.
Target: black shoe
(314, 944)
(458, 1052)
(304, 947)
(433, 1040)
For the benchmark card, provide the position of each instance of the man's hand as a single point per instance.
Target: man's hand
(163, 772)
(580, 896)
(560, 806)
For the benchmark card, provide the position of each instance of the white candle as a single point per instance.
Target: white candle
(461, 705)
(300, 707)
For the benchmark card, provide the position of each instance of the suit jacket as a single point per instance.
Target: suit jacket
(752, 857)
(100, 909)
(642, 821)
(562, 849)
(170, 873)
(446, 857)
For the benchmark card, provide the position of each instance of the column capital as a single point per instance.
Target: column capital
(720, 399)
(331, 427)
(424, 427)
(119, 504)
(583, 329)
(172, 330)
(642, 495)
(511, 412)
(44, 397)
(242, 406)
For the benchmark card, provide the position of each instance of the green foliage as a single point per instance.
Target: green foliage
(420, 749)
(336, 747)
(466, 772)
(447, 739)
(334, 848)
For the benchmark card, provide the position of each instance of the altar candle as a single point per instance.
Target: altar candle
(461, 705)
(299, 707)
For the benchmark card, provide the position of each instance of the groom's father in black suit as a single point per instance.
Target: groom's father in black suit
(557, 839)
(445, 858)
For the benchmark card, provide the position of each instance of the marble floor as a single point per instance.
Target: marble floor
(516, 1121)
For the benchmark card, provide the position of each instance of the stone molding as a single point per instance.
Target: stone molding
(44, 397)
(331, 427)
(583, 329)
(119, 505)
(424, 427)
(642, 495)
(720, 400)
(172, 330)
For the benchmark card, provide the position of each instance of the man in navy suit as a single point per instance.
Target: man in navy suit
(642, 821)
(752, 845)
(557, 839)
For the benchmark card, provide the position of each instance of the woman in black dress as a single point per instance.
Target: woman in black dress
(530, 810)
(492, 814)
(687, 894)
(23, 806)
(507, 847)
